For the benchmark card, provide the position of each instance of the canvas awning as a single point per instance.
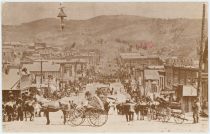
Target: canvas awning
(10, 80)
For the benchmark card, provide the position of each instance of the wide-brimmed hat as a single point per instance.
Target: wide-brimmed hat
(127, 101)
(87, 93)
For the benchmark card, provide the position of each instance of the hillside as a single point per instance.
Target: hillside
(177, 37)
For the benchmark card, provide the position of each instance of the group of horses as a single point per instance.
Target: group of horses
(142, 106)
(29, 108)
(40, 104)
(17, 110)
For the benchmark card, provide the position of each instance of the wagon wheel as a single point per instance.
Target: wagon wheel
(165, 115)
(77, 117)
(98, 118)
(179, 118)
(68, 116)
(163, 118)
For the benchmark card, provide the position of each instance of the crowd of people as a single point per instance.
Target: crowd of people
(135, 105)
(142, 105)
(18, 108)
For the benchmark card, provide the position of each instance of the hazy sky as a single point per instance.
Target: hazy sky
(17, 13)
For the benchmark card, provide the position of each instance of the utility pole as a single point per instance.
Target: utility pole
(62, 15)
(201, 53)
(143, 79)
(41, 70)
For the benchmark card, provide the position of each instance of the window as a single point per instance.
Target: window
(70, 71)
(65, 70)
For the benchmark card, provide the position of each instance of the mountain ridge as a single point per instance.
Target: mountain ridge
(176, 37)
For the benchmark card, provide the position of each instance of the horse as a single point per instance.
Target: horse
(163, 108)
(37, 109)
(28, 108)
(119, 108)
(9, 109)
(142, 106)
(48, 106)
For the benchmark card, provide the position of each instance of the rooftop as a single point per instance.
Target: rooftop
(182, 67)
(72, 61)
(46, 66)
(12, 43)
(136, 56)
(155, 67)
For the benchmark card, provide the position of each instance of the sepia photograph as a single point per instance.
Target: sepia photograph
(105, 67)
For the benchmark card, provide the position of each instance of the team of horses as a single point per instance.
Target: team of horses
(11, 109)
(142, 106)
(41, 104)
(44, 105)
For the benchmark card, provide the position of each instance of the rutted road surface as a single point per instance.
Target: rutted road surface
(115, 123)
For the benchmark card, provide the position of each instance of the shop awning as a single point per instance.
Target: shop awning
(10, 80)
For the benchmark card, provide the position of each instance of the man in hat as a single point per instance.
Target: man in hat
(93, 101)
(19, 104)
(10, 106)
(196, 110)
(129, 110)
(126, 110)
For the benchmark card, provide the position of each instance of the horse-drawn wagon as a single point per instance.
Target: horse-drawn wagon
(164, 111)
(96, 117)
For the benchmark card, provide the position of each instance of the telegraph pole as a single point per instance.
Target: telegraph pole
(144, 80)
(41, 70)
(201, 53)
(62, 15)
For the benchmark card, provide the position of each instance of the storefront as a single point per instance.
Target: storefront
(187, 94)
(204, 93)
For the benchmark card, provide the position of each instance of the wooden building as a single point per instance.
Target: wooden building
(183, 81)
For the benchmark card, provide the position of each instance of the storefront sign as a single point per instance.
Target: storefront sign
(167, 92)
(189, 91)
